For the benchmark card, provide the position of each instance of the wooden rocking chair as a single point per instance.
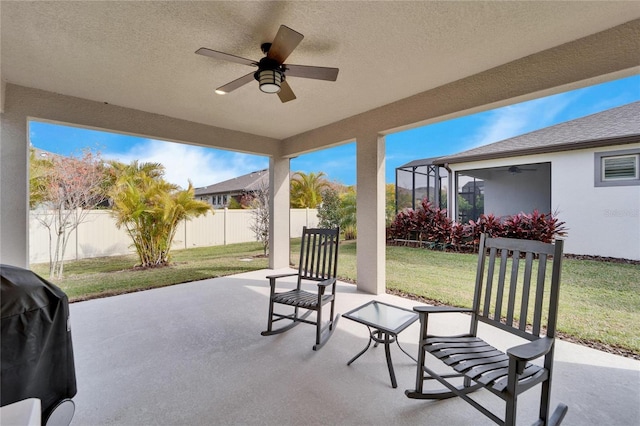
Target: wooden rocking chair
(318, 263)
(477, 364)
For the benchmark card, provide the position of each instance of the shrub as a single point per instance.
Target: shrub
(534, 226)
(329, 210)
(486, 224)
(429, 226)
(436, 226)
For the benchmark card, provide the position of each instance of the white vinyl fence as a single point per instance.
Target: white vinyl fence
(98, 235)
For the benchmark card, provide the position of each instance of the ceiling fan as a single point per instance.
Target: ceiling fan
(515, 170)
(272, 71)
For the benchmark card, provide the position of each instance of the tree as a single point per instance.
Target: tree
(151, 208)
(390, 203)
(329, 210)
(66, 189)
(306, 189)
(348, 213)
(405, 199)
(39, 169)
(234, 204)
(260, 213)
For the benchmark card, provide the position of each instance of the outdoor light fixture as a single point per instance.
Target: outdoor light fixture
(270, 80)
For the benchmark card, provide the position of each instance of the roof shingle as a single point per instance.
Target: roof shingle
(614, 126)
(249, 182)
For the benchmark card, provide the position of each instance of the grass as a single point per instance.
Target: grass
(599, 301)
(108, 276)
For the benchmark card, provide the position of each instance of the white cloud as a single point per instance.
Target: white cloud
(203, 166)
(514, 120)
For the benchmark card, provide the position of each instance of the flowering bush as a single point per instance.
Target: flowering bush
(430, 226)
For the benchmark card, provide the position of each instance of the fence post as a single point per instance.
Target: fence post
(224, 238)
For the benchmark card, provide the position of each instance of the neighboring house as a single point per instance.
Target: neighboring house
(585, 170)
(219, 195)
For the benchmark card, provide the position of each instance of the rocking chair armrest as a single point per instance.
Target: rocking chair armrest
(531, 350)
(272, 278)
(275, 277)
(327, 282)
(440, 309)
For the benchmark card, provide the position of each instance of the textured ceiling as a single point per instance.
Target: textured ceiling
(140, 55)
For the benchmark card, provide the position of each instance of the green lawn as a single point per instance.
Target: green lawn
(106, 276)
(599, 301)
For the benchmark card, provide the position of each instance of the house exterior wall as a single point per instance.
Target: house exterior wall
(601, 221)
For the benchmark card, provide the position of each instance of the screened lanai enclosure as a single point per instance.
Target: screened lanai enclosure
(419, 180)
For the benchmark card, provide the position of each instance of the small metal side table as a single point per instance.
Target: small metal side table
(384, 322)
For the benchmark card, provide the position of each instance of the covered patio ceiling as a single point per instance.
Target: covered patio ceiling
(140, 55)
(130, 67)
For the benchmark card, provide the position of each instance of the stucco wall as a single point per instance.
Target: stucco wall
(601, 221)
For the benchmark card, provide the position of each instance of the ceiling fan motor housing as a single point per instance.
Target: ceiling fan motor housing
(270, 75)
(265, 47)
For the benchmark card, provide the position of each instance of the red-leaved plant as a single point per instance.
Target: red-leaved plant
(431, 227)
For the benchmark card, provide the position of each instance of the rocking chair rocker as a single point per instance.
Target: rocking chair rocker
(318, 263)
(475, 363)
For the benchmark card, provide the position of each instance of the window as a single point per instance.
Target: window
(617, 168)
(621, 167)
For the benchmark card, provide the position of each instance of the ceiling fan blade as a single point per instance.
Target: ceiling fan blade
(286, 40)
(225, 56)
(286, 94)
(318, 73)
(229, 87)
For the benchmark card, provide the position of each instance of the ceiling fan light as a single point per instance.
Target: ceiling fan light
(270, 81)
(220, 92)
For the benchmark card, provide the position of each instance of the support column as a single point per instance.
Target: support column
(371, 242)
(279, 213)
(14, 187)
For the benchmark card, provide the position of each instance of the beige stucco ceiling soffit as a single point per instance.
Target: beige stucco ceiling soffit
(571, 65)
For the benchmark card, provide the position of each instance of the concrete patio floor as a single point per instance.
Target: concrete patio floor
(192, 354)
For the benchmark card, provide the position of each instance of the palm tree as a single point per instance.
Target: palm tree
(151, 208)
(39, 169)
(348, 214)
(306, 189)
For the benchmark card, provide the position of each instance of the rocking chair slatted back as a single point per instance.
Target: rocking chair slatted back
(508, 286)
(318, 264)
(318, 255)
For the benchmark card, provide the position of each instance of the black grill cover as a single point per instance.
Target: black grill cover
(36, 351)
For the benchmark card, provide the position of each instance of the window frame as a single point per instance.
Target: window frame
(599, 159)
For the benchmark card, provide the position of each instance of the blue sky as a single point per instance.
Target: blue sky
(205, 166)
